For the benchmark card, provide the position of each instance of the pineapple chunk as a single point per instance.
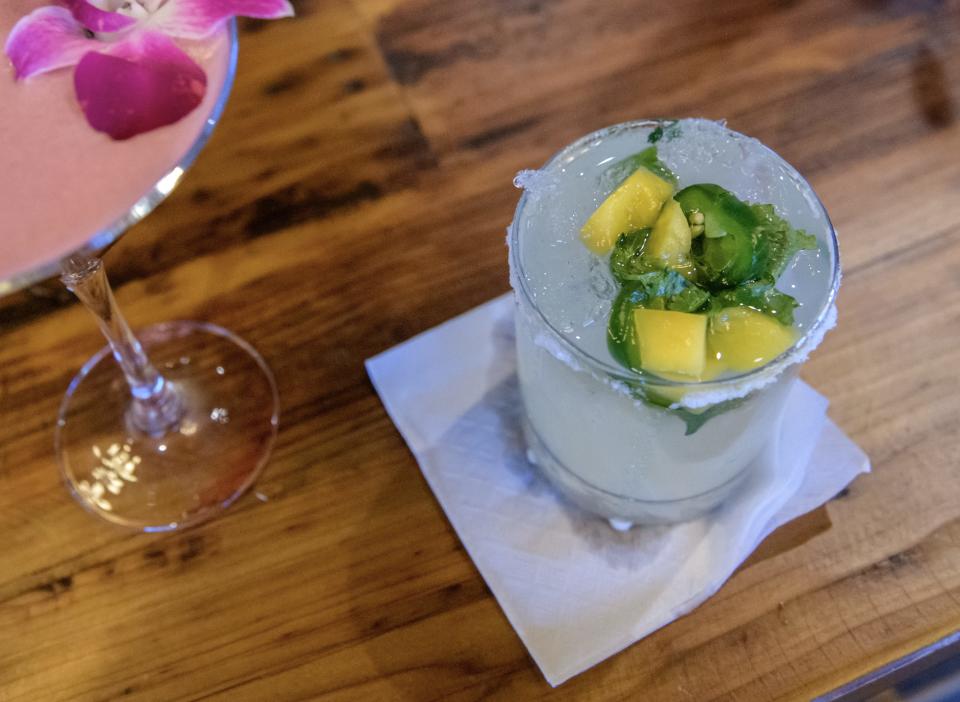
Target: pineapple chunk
(669, 395)
(742, 338)
(712, 369)
(671, 342)
(670, 239)
(634, 205)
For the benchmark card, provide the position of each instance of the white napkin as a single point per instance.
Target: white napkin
(575, 590)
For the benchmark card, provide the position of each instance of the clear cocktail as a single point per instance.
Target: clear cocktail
(668, 436)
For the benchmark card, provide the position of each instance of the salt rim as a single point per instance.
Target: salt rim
(536, 181)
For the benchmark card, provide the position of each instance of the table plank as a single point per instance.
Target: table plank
(356, 193)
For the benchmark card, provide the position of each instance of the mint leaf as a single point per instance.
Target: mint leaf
(671, 132)
(690, 299)
(664, 290)
(777, 242)
(760, 295)
(658, 289)
(627, 261)
(623, 169)
(621, 333)
(695, 420)
(668, 290)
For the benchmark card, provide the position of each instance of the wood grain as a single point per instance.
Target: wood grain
(356, 193)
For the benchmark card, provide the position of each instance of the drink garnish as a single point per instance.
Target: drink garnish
(697, 271)
(131, 76)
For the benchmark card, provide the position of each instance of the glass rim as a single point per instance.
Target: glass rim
(620, 373)
(156, 194)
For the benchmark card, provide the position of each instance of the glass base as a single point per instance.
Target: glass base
(226, 430)
(620, 511)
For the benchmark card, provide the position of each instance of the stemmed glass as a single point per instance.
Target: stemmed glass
(179, 423)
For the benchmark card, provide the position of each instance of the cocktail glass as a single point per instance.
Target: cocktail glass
(629, 446)
(165, 429)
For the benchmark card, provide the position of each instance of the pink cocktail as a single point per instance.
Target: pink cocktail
(165, 430)
(61, 181)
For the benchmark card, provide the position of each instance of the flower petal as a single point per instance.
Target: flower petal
(45, 40)
(196, 19)
(97, 20)
(137, 85)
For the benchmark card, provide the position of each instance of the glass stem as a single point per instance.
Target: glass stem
(155, 407)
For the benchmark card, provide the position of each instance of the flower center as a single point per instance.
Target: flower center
(138, 9)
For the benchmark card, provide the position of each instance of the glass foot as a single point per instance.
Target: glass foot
(206, 460)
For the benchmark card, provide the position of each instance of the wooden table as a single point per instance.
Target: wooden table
(356, 193)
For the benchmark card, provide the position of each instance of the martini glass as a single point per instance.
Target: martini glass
(163, 429)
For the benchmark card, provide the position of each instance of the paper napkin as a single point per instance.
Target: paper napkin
(575, 590)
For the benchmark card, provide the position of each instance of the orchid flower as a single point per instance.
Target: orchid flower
(130, 75)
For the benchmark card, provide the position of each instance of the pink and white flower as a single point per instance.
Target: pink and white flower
(130, 75)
